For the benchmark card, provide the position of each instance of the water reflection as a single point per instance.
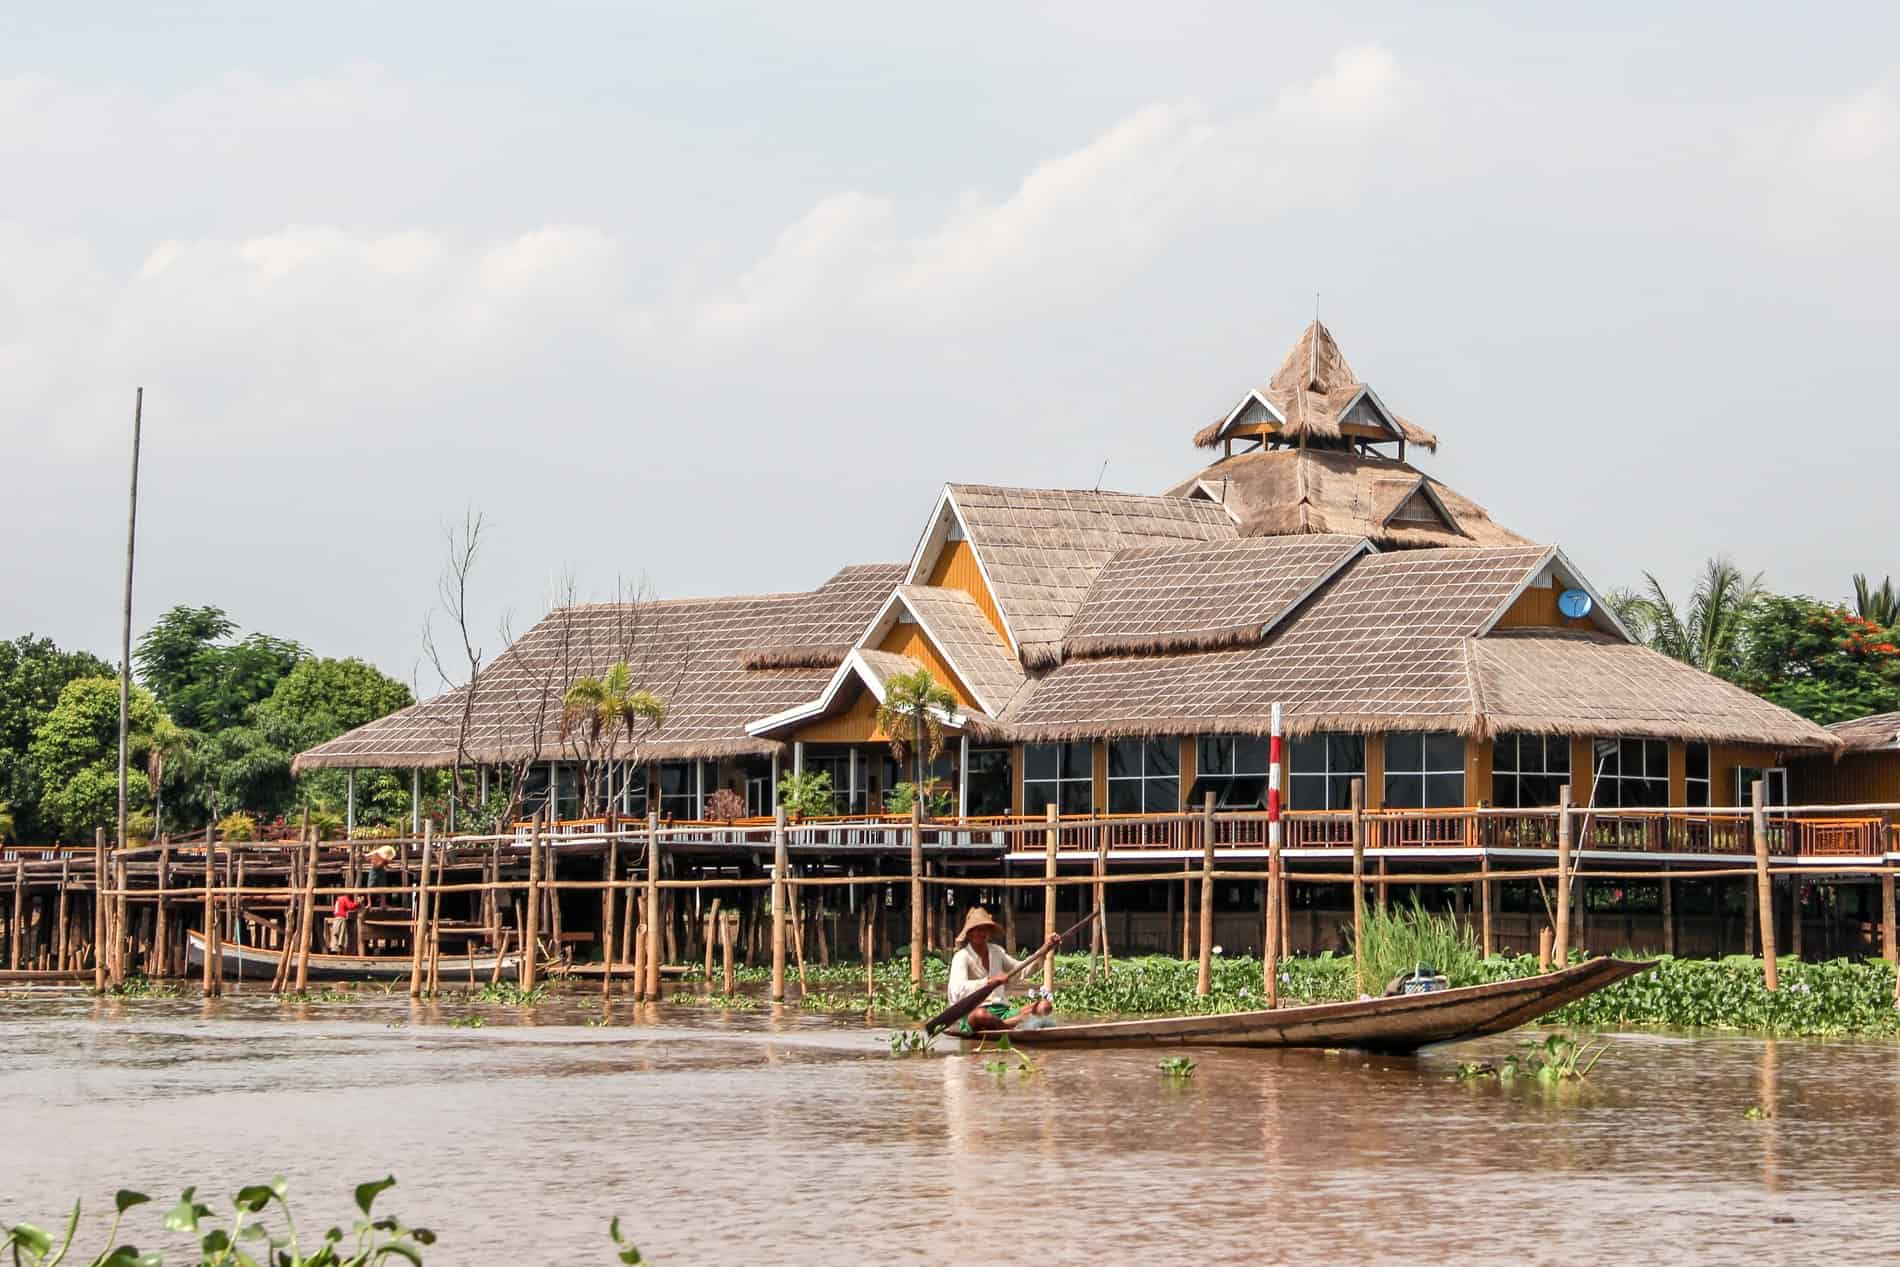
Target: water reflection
(792, 1138)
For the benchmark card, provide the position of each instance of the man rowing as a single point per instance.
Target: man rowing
(979, 965)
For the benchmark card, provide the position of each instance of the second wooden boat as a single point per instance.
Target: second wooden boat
(255, 963)
(1399, 1024)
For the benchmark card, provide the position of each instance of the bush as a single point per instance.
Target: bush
(140, 826)
(375, 832)
(327, 823)
(237, 828)
(937, 799)
(808, 794)
(1399, 941)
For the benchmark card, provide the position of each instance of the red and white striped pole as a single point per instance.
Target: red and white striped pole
(1271, 906)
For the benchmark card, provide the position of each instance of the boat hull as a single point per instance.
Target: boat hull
(255, 963)
(1398, 1024)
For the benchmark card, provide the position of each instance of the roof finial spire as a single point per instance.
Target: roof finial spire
(1312, 375)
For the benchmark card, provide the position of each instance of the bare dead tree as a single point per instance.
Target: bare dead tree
(461, 667)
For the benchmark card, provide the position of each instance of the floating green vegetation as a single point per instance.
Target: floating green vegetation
(468, 1022)
(140, 986)
(1176, 1068)
(597, 1022)
(1556, 1058)
(1001, 1067)
(910, 1042)
(1756, 1113)
(324, 995)
(252, 1237)
(509, 994)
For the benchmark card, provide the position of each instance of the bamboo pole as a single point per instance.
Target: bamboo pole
(214, 950)
(778, 903)
(161, 922)
(1204, 972)
(1359, 886)
(421, 922)
(916, 893)
(306, 924)
(1276, 920)
(1668, 913)
(1764, 887)
(653, 908)
(1560, 953)
(1487, 936)
(797, 914)
(727, 927)
(1050, 833)
(712, 937)
(16, 943)
(64, 932)
(125, 636)
(1889, 944)
(1187, 907)
(1101, 896)
(121, 939)
(531, 909)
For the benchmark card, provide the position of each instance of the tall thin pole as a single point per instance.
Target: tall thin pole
(1561, 951)
(779, 902)
(125, 631)
(1275, 919)
(1764, 888)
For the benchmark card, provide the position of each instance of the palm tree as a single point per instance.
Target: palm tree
(170, 747)
(912, 714)
(603, 710)
(1882, 606)
(1707, 632)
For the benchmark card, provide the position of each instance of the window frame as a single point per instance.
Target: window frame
(1149, 777)
(1609, 788)
(1515, 774)
(1334, 779)
(1427, 774)
(1073, 793)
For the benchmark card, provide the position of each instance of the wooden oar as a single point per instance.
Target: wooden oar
(974, 999)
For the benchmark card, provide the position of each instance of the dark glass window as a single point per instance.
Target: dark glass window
(679, 789)
(1424, 770)
(989, 783)
(1144, 776)
(1058, 774)
(1699, 783)
(1631, 773)
(1527, 771)
(1233, 768)
(1322, 770)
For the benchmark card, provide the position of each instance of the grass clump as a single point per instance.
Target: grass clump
(1396, 942)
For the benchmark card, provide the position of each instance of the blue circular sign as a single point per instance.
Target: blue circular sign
(1575, 604)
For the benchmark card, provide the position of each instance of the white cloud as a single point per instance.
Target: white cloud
(1862, 130)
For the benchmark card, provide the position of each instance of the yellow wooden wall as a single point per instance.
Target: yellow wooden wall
(909, 640)
(857, 724)
(957, 568)
(1536, 608)
(1859, 778)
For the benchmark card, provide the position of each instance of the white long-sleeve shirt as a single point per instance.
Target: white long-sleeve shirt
(968, 972)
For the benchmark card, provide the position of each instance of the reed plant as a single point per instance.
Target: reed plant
(1398, 941)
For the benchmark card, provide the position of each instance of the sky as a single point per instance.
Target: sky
(715, 297)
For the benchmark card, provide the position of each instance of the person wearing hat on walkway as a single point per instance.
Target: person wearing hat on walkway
(376, 874)
(978, 965)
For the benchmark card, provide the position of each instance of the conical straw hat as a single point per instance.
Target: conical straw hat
(977, 917)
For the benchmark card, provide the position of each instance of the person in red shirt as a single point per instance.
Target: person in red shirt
(340, 920)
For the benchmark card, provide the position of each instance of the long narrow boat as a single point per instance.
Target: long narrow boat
(1403, 1023)
(255, 963)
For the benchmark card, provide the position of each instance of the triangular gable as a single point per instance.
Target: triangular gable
(1365, 409)
(945, 553)
(1553, 574)
(1412, 504)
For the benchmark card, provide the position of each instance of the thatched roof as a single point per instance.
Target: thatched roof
(830, 621)
(968, 641)
(1404, 641)
(1877, 733)
(1566, 682)
(1202, 597)
(1042, 548)
(687, 651)
(1311, 395)
(1284, 492)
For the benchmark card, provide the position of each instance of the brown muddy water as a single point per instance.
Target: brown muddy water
(753, 1138)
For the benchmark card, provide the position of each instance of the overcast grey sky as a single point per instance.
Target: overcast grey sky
(722, 294)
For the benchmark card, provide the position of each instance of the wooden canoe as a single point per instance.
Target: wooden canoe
(254, 963)
(1398, 1024)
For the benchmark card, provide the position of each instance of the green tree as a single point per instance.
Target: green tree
(173, 752)
(1819, 660)
(76, 752)
(1706, 631)
(1880, 605)
(33, 671)
(912, 714)
(204, 682)
(6, 823)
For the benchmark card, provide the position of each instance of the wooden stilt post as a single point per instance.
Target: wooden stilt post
(307, 926)
(727, 927)
(1051, 835)
(712, 939)
(1385, 893)
(15, 938)
(1187, 902)
(1889, 944)
(916, 895)
(420, 926)
(1795, 920)
(653, 908)
(1359, 886)
(1279, 907)
(531, 909)
(1487, 937)
(1764, 888)
(1750, 920)
(1560, 953)
(1101, 895)
(65, 934)
(101, 935)
(1668, 913)
(1204, 972)
(161, 920)
(610, 871)
(214, 952)
(778, 905)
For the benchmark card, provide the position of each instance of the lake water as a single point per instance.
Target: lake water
(749, 1137)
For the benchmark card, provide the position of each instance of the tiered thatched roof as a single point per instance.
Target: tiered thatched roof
(687, 651)
(1313, 395)
(1285, 492)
